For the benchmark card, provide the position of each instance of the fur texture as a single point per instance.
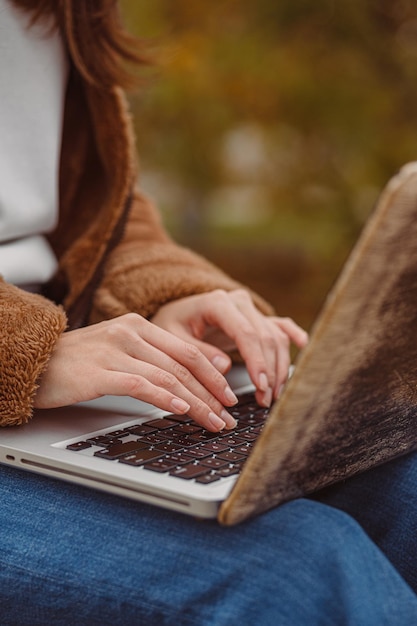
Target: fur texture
(30, 327)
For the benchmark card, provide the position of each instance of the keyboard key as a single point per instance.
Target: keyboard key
(140, 457)
(232, 457)
(120, 449)
(244, 449)
(225, 472)
(247, 398)
(248, 420)
(258, 429)
(103, 440)
(214, 446)
(78, 445)
(231, 441)
(153, 439)
(188, 471)
(178, 458)
(248, 436)
(165, 435)
(240, 411)
(206, 479)
(161, 424)
(113, 441)
(168, 447)
(187, 429)
(118, 433)
(199, 452)
(185, 442)
(213, 462)
(181, 419)
(161, 466)
(206, 435)
(140, 430)
(255, 416)
(242, 426)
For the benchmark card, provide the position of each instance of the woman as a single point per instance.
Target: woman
(96, 299)
(106, 254)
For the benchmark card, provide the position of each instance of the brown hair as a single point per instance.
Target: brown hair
(99, 45)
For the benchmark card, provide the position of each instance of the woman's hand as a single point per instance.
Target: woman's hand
(131, 356)
(219, 321)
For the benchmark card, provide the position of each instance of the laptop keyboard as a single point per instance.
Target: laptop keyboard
(176, 445)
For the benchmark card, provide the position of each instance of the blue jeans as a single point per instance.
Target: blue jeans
(74, 556)
(384, 502)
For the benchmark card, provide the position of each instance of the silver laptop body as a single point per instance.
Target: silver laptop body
(41, 446)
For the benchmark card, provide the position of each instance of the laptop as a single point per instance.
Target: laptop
(350, 404)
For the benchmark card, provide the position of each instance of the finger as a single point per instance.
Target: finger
(284, 362)
(144, 350)
(178, 380)
(217, 357)
(151, 388)
(137, 347)
(268, 338)
(297, 334)
(186, 361)
(135, 385)
(253, 335)
(275, 335)
(282, 366)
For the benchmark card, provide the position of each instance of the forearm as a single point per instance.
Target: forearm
(147, 269)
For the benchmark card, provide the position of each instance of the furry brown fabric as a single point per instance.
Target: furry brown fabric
(30, 327)
(147, 269)
(114, 255)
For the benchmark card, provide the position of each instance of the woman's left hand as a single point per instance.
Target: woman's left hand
(219, 322)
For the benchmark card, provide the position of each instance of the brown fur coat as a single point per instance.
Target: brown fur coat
(114, 255)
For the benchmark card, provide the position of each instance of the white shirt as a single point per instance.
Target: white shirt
(33, 76)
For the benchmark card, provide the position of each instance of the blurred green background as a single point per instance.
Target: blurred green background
(266, 130)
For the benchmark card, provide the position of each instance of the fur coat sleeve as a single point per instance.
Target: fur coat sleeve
(147, 269)
(29, 328)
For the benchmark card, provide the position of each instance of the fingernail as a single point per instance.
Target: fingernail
(263, 382)
(267, 399)
(229, 419)
(229, 395)
(220, 363)
(180, 406)
(216, 422)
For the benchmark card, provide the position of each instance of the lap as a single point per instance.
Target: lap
(70, 555)
(384, 502)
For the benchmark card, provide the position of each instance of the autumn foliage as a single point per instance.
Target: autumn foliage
(268, 128)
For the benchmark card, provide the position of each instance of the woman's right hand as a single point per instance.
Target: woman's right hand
(130, 356)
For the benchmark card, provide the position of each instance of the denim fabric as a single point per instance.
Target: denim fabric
(384, 501)
(74, 556)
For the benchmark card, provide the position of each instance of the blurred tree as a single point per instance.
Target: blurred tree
(296, 111)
